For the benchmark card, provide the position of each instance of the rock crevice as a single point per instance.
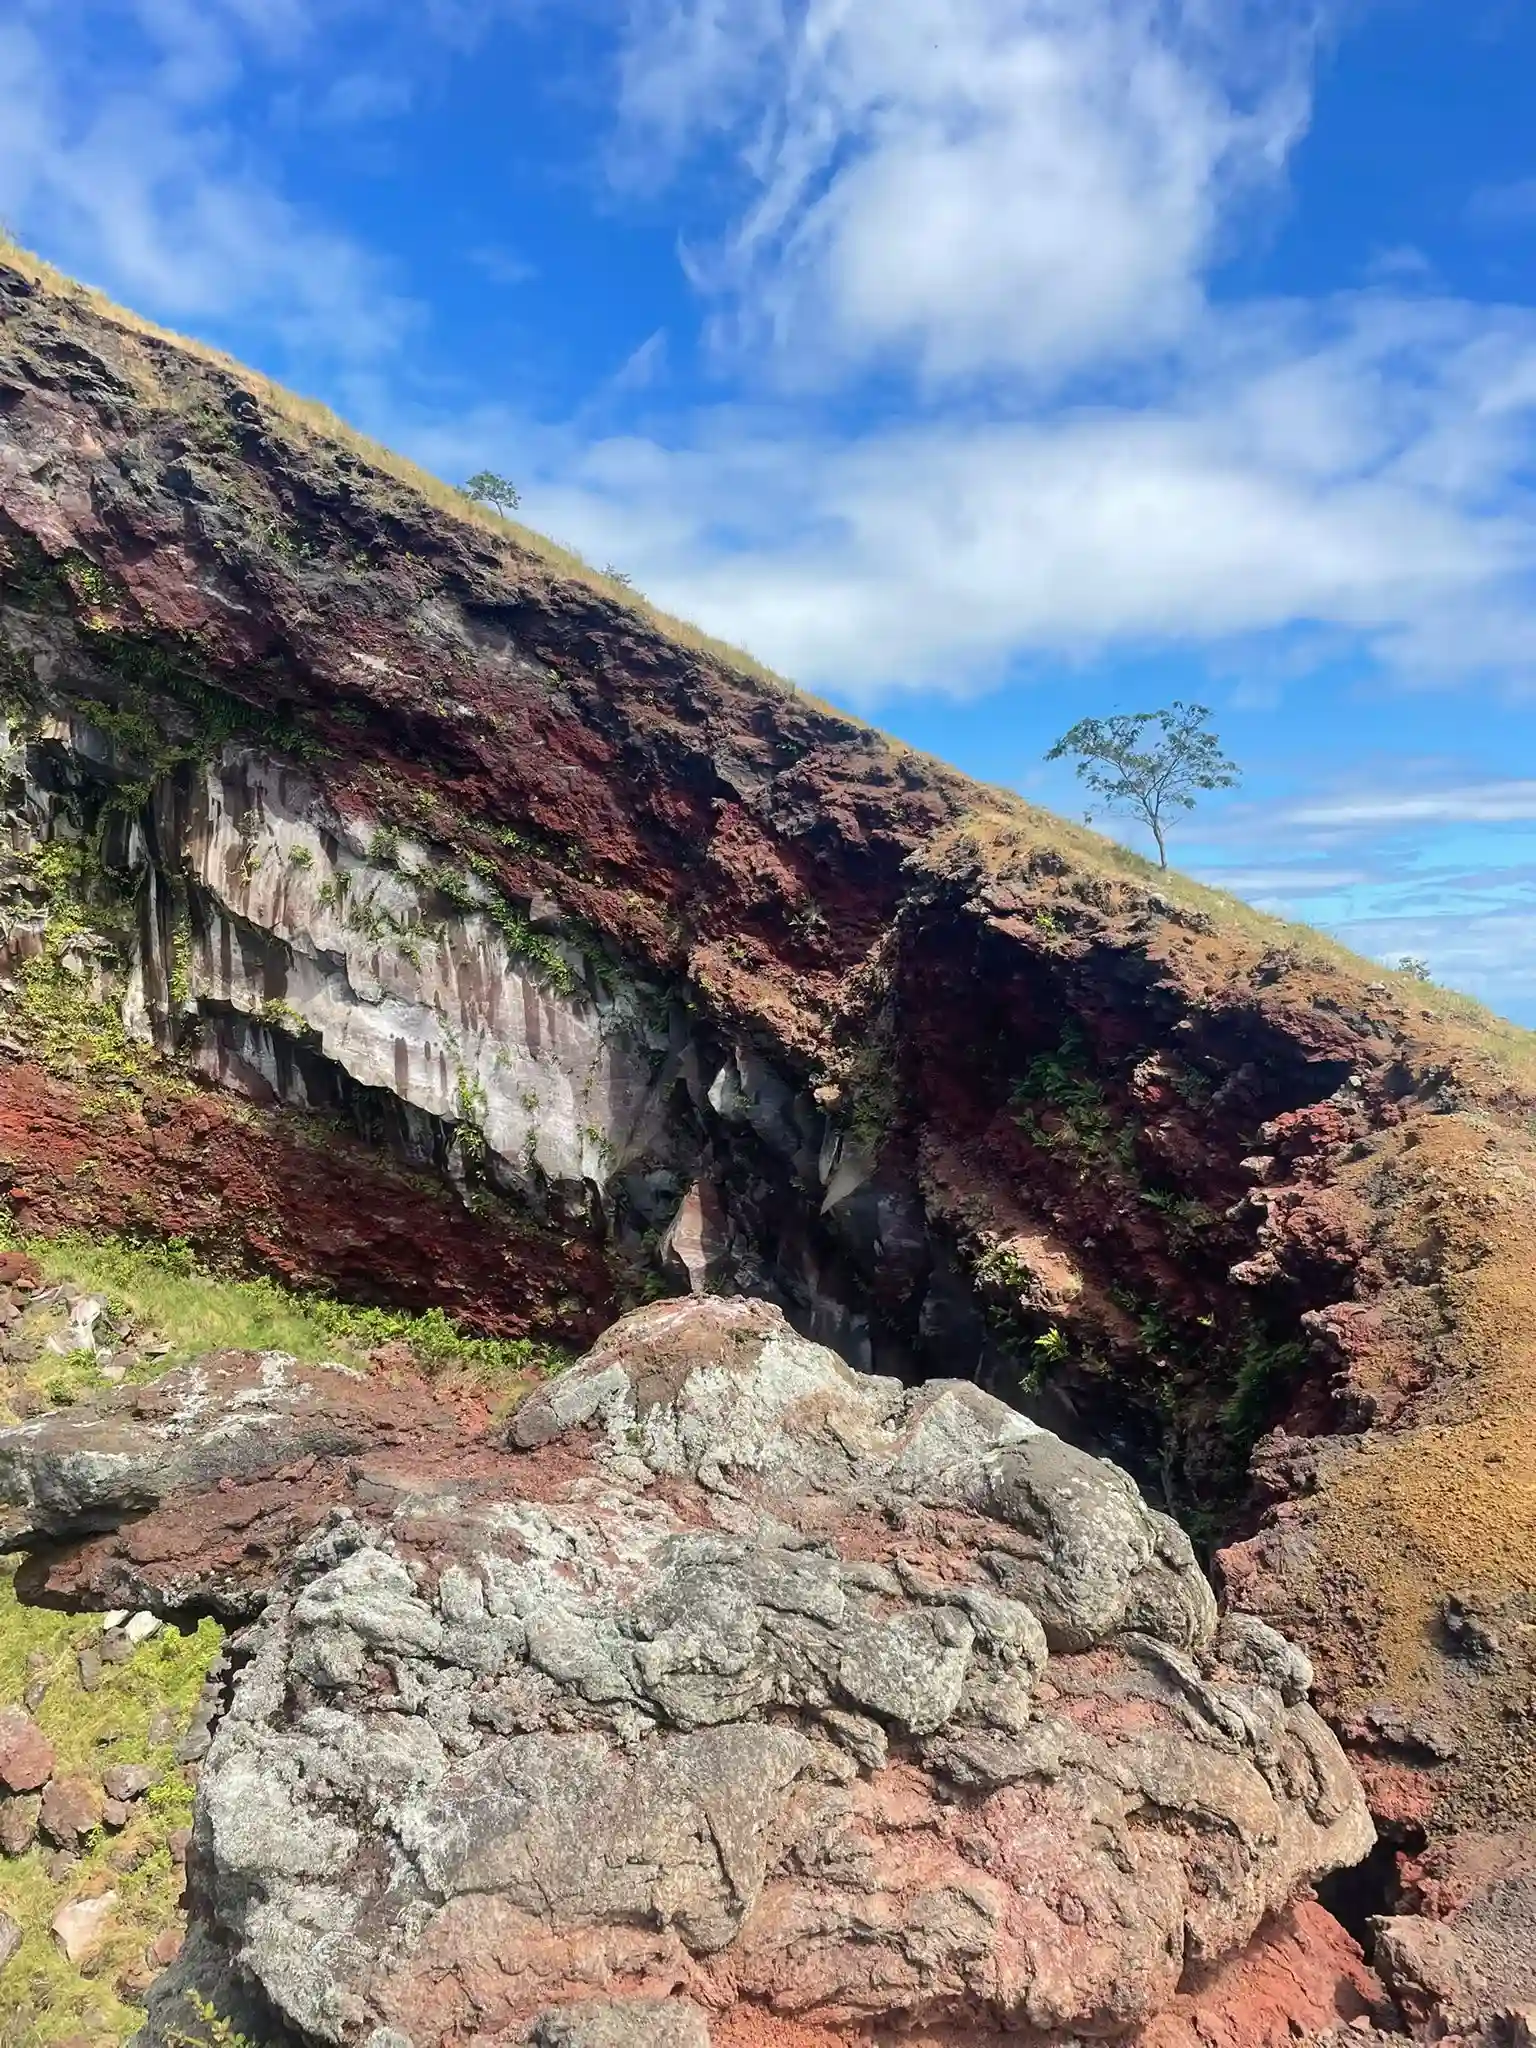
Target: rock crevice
(386, 907)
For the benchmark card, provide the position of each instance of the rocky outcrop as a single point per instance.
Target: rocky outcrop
(1458, 1951)
(387, 904)
(733, 1690)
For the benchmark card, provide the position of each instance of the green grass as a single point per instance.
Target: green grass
(162, 1291)
(44, 1999)
(158, 1291)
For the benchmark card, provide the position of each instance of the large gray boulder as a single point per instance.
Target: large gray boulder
(741, 1683)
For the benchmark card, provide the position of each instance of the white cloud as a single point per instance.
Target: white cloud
(1492, 956)
(1402, 265)
(1363, 475)
(1280, 882)
(1017, 202)
(1474, 803)
(970, 185)
(1000, 196)
(131, 178)
(641, 368)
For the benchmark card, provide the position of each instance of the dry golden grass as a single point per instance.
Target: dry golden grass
(1006, 829)
(1444, 1504)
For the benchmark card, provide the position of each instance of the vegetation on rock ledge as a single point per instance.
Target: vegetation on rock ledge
(166, 1294)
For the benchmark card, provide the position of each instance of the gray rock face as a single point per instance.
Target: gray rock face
(232, 1413)
(338, 966)
(403, 991)
(635, 2023)
(751, 1684)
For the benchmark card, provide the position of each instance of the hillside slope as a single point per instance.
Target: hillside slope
(392, 908)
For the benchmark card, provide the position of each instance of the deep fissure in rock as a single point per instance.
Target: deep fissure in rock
(1359, 1896)
(718, 990)
(1115, 1318)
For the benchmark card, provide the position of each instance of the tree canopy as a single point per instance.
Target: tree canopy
(1149, 763)
(485, 487)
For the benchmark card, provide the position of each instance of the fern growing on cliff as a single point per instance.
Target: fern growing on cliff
(1081, 1120)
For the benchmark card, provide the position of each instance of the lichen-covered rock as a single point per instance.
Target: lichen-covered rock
(190, 1490)
(635, 2023)
(231, 1412)
(375, 815)
(740, 1684)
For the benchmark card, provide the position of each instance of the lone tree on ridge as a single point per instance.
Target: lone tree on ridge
(485, 487)
(1149, 762)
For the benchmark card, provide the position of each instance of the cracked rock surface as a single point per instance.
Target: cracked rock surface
(735, 1698)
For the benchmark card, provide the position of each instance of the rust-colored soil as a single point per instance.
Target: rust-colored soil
(288, 1195)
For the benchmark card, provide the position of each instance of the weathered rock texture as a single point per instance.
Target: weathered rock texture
(546, 960)
(737, 1696)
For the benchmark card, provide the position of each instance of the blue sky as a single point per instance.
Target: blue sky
(980, 363)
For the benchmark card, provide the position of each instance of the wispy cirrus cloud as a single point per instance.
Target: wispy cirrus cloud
(131, 174)
(1357, 471)
(1472, 803)
(997, 418)
(1285, 883)
(966, 187)
(1504, 206)
(984, 413)
(1415, 858)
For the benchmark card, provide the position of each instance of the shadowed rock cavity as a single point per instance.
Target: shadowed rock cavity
(326, 964)
(734, 1685)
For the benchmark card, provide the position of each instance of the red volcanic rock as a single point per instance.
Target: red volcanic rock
(339, 1215)
(26, 1754)
(19, 1270)
(1303, 1978)
(1459, 1954)
(618, 969)
(71, 1808)
(18, 1824)
(193, 1490)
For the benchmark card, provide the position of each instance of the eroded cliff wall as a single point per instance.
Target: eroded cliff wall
(391, 907)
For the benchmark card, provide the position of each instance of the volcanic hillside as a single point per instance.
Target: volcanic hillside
(396, 908)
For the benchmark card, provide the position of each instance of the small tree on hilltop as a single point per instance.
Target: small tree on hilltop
(485, 487)
(1149, 763)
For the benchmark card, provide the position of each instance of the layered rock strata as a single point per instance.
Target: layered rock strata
(736, 1696)
(388, 904)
